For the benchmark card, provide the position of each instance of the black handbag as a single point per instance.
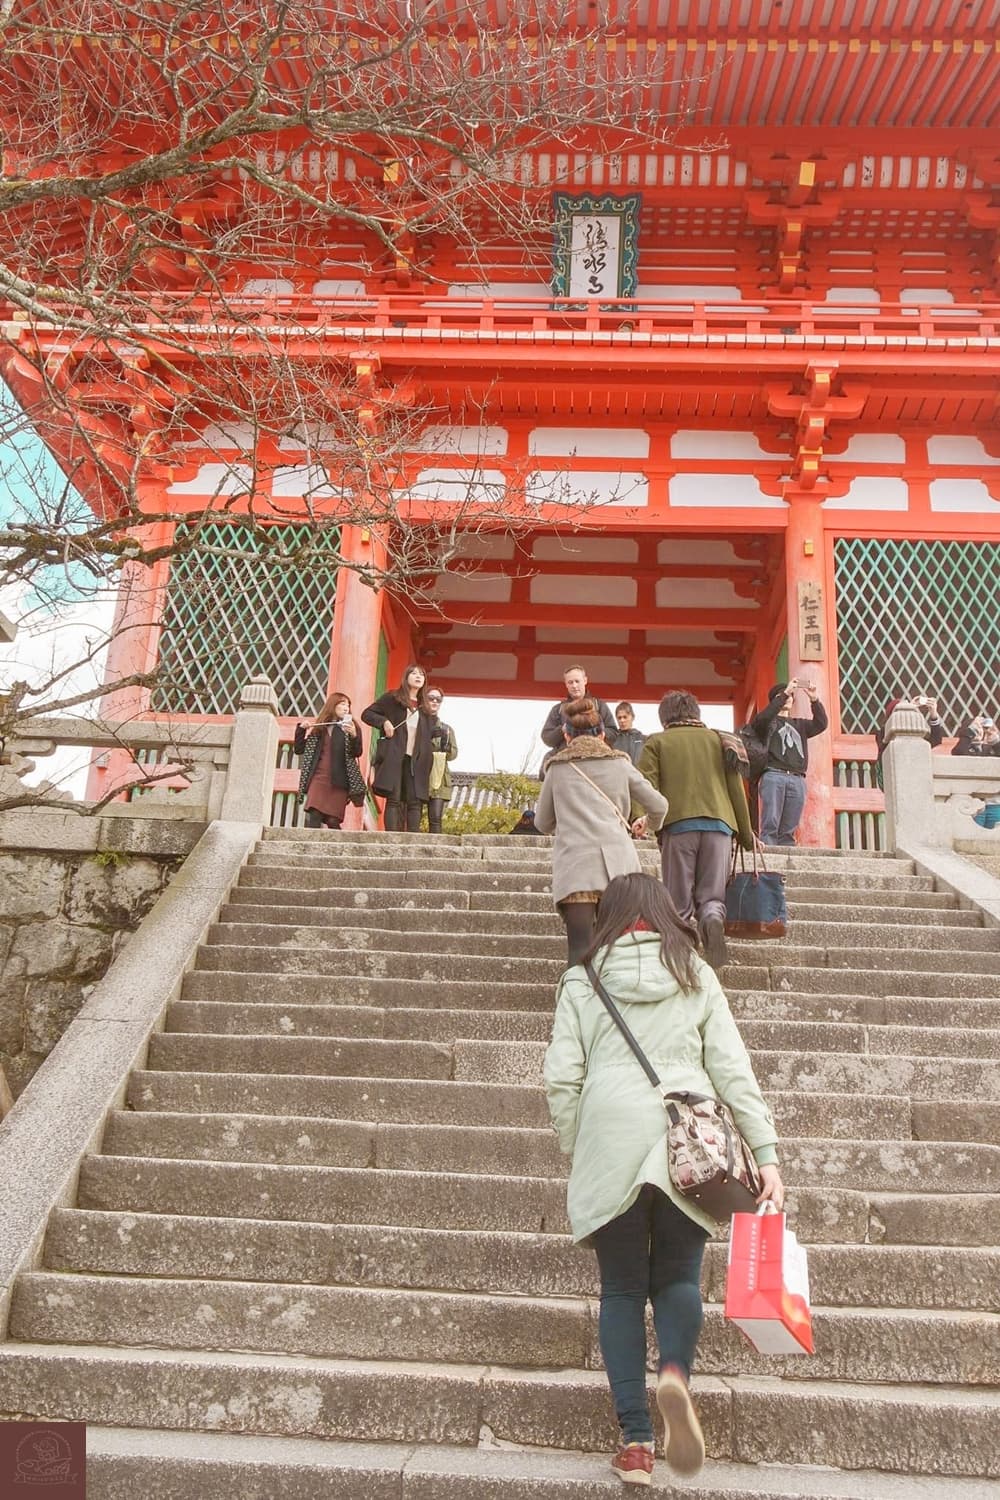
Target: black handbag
(708, 1160)
(755, 901)
(357, 787)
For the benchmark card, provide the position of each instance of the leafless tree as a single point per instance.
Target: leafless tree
(177, 178)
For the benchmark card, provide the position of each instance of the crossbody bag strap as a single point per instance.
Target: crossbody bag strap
(623, 1027)
(613, 806)
(666, 1098)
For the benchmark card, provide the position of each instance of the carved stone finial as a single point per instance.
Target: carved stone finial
(906, 720)
(259, 695)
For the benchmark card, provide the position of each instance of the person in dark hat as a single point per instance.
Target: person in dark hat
(526, 823)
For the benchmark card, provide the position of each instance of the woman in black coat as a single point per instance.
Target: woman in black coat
(402, 765)
(330, 776)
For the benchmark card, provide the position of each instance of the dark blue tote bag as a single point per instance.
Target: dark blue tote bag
(755, 902)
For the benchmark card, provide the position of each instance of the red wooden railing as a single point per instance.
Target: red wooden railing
(635, 319)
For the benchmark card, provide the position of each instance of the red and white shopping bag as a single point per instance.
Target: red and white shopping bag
(767, 1284)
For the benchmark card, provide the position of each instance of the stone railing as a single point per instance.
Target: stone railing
(195, 773)
(933, 799)
(930, 806)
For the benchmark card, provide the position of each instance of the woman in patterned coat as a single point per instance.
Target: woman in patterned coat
(330, 776)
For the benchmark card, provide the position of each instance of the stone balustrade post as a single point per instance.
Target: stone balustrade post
(908, 778)
(253, 755)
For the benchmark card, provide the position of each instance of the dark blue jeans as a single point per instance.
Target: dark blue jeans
(782, 798)
(650, 1253)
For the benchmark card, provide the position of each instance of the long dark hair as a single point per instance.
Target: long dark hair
(403, 691)
(628, 899)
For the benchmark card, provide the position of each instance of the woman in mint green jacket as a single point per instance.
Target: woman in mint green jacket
(648, 1238)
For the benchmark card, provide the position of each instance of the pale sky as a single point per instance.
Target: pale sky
(502, 735)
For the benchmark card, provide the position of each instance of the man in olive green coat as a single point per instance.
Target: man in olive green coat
(707, 806)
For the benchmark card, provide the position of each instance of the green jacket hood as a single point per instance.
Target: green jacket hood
(631, 969)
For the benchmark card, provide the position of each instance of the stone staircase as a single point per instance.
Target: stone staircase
(333, 1208)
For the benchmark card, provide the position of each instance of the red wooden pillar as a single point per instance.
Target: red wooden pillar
(357, 624)
(133, 648)
(357, 619)
(805, 564)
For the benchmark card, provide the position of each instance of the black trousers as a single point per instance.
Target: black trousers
(435, 812)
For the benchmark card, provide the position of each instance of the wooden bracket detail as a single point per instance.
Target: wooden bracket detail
(812, 409)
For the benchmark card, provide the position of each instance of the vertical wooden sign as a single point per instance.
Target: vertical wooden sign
(812, 643)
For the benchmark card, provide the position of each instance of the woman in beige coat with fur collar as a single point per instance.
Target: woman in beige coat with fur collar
(585, 800)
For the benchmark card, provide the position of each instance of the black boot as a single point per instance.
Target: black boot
(713, 941)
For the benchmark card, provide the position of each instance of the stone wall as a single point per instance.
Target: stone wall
(65, 911)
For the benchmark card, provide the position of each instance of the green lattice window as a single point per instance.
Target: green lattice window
(916, 617)
(234, 610)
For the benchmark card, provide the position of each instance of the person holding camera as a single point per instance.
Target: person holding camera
(329, 748)
(928, 707)
(979, 737)
(783, 784)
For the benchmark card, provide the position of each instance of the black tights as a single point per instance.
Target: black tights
(321, 820)
(435, 812)
(579, 919)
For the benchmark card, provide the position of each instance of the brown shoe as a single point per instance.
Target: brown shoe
(633, 1463)
(683, 1440)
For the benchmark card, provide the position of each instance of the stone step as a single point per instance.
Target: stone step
(418, 1101)
(124, 1462)
(521, 1062)
(879, 978)
(258, 1018)
(352, 1057)
(489, 934)
(951, 967)
(869, 1117)
(328, 1321)
(929, 1430)
(896, 1011)
(509, 1151)
(366, 990)
(530, 1332)
(535, 914)
(353, 848)
(382, 892)
(913, 898)
(462, 1200)
(827, 1072)
(116, 1244)
(347, 837)
(298, 876)
(805, 902)
(349, 992)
